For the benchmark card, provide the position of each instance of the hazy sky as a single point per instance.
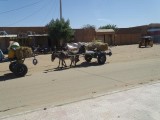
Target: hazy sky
(123, 13)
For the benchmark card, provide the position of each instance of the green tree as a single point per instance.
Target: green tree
(88, 26)
(59, 31)
(109, 26)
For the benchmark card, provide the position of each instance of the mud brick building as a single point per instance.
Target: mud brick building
(39, 35)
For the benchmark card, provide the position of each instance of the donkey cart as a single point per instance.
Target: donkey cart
(74, 56)
(100, 55)
(17, 65)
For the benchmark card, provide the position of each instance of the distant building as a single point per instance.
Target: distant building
(154, 31)
(26, 36)
(106, 35)
(126, 36)
(29, 36)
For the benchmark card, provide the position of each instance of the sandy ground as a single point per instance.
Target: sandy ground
(121, 105)
(120, 54)
(59, 87)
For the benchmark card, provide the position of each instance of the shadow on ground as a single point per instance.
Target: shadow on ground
(145, 47)
(86, 64)
(8, 76)
(56, 69)
(83, 64)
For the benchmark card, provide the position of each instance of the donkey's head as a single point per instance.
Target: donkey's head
(82, 49)
(53, 56)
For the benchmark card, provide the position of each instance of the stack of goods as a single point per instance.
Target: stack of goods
(100, 46)
(72, 47)
(23, 52)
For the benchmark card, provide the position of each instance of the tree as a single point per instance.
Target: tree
(59, 31)
(88, 26)
(109, 26)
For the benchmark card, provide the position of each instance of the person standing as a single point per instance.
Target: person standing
(1, 55)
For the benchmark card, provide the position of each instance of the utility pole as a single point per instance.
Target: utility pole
(60, 9)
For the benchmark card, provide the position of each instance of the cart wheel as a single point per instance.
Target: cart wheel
(146, 43)
(20, 70)
(151, 44)
(88, 58)
(12, 66)
(35, 61)
(101, 59)
(139, 45)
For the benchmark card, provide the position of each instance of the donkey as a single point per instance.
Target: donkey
(62, 56)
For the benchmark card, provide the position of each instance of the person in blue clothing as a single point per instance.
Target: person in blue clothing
(1, 55)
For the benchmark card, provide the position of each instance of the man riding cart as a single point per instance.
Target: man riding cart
(17, 55)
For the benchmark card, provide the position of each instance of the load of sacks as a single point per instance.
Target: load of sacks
(95, 45)
(23, 52)
(100, 46)
(74, 47)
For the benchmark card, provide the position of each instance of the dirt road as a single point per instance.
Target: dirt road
(120, 54)
(45, 86)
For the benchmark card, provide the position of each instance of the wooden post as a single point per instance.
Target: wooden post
(60, 9)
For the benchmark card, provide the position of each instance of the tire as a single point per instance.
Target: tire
(146, 43)
(151, 43)
(12, 66)
(20, 70)
(35, 61)
(88, 58)
(101, 59)
(140, 44)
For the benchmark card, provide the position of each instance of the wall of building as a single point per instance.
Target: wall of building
(126, 36)
(17, 30)
(106, 38)
(28, 41)
(84, 35)
(126, 39)
(4, 43)
(154, 31)
(122, 36)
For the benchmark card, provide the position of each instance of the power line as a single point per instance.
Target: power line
(28, 16)
(50, 11)
(12, 10)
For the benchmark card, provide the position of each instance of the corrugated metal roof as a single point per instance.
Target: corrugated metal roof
(17, 30)
(4, 36)
(105, 30)
(38, 35)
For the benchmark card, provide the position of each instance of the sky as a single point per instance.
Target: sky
(122, 13)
